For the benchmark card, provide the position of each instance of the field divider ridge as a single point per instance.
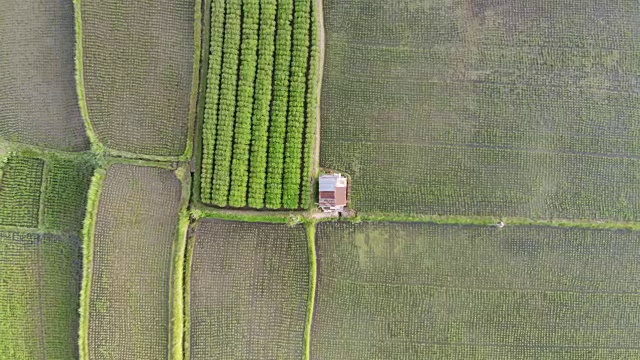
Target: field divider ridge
(43, 190)
(495, 221)
(96, 145)
(313, 276)
(191, 239)
(88, 230)
(176, 341)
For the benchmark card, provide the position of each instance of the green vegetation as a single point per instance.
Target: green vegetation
(313, 284)
(131, 235)
(261, 62)
(42, 194)
(484, 108)
(66, 184)
(278, 125)
(248, 291)
(391, 290)
(212, 97)
(242, 132)
(20, 192)
(227, 105)
(262, 105)
(39, 287)
(88, 239)
(140, 100)
(38, 101)
(296, 118)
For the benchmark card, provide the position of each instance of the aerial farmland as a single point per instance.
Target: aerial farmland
(170, 175)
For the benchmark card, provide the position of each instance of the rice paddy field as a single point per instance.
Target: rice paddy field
(497, 108)
(249, 289)
(491, 148)
(39, 295)
(424, 291)
(42, 202)
(138, 74)
(127, 309)
(38, 100)
(259, 127)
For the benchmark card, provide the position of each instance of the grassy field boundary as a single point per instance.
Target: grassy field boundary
(96, 145)
(191, 240)
(313, 277)
(493, 221)
(244, 216)
(88, 230)
(43, 191)
(176, 290)
(176, 341)
(138, 162)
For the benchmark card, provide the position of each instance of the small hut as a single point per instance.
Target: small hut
(333, 192)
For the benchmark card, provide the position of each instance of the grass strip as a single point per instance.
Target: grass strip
(88, 230)
(246, 216)
(187, 296)
(177, 269)
(96, 145)
(313, 275)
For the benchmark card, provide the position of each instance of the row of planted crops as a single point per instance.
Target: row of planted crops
(259, 123)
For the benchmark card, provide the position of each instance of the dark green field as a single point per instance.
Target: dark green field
(249, 291)
(419, 291)
(484, 107)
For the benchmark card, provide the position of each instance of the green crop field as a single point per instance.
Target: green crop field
(484, 107)
(39, 288)
(38, 101)
(20, 192)
(248, 291)
(42, 201)
(136, 224)
(260, 112)
(420, 291)
(138, 73)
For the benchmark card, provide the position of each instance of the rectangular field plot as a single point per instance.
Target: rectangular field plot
(136, 225)
(20, 187)
(249, 291)
(419, 291)
(498, 108)
(48, 193)
(38, 101)
(39, 291)
(138, 73)
(259, 124)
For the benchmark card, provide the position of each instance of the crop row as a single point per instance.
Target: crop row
(278, 127)
(227, 103)
(212, 97)
(297, 93)
(249, 60)
(260, 67)
(262, 104)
